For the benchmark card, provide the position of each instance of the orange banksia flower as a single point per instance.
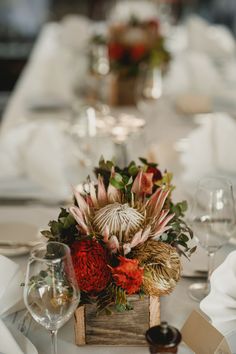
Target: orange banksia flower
(128, 275)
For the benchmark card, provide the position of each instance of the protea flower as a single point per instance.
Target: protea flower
(121, 224)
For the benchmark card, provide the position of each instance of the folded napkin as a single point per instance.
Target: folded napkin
(11, 300)
(76, 32)
(220, 304)
(36, 149)
(214, 40)
(192, 72)
(124, 10)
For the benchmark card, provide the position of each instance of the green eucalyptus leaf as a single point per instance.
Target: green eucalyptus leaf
(117, 185)
(69, 221)
(133, 170)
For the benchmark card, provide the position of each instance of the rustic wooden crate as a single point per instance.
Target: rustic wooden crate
(119, 328)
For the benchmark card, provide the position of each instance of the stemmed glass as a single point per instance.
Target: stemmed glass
(213, 222)
(51, 293)
(149, 89)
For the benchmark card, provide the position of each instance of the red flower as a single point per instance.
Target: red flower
(143, 183)
(128, 275)
(138, 51)
(90, 262)
(115, 50)
(157, 175)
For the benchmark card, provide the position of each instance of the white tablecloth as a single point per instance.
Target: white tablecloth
(189, 146)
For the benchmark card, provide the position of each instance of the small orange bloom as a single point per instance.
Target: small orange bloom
(128, 275)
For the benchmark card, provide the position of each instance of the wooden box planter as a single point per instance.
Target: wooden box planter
(120, 328)
(122, 90)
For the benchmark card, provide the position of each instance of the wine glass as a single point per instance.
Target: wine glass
(51, 293)
(213, 222)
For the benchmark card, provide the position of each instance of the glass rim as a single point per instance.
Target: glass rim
(201, 183)
(43, 245)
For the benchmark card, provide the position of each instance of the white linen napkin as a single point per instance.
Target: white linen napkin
(214, 40)
(192, 72)
(76, 32)
(220, 304)
(36, 149)
(10, 301)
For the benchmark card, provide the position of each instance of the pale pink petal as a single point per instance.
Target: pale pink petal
(161, 226)
(81, 203)
(160, 203)
(136, 187)
(113, 244)
(126, 248)
(157, 201)
(136, 239)
(113, 194)
(102, 194)
(166, 220)
(163, 215)
(145, 234)
(76, 213)
(153, 199)
(89, 201)
(92, 192)
(106, 234)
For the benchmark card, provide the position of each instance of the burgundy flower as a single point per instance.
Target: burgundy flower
(90, 262)
(128, 275)
(157, 175)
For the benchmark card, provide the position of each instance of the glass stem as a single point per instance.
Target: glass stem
(54, 341)
(121, 153)
(211, 257)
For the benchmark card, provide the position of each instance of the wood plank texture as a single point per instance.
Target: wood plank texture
(125, 328)
(155, 311)
(80, 326)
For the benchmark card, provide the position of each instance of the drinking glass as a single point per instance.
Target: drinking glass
(149, 89)
(51, 293)
(213, 222)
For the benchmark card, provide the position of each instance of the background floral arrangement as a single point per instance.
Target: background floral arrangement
(134, 44)
(125, 234)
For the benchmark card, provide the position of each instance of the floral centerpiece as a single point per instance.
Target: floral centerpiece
(134, 44)
(125, 234)
(133, 47)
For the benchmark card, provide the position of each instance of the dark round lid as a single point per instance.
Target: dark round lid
(163, 336)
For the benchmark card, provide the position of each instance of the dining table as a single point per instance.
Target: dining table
(40, 160)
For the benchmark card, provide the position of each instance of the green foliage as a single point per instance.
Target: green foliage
(63, 229)
(113, 298)
(179, 233)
